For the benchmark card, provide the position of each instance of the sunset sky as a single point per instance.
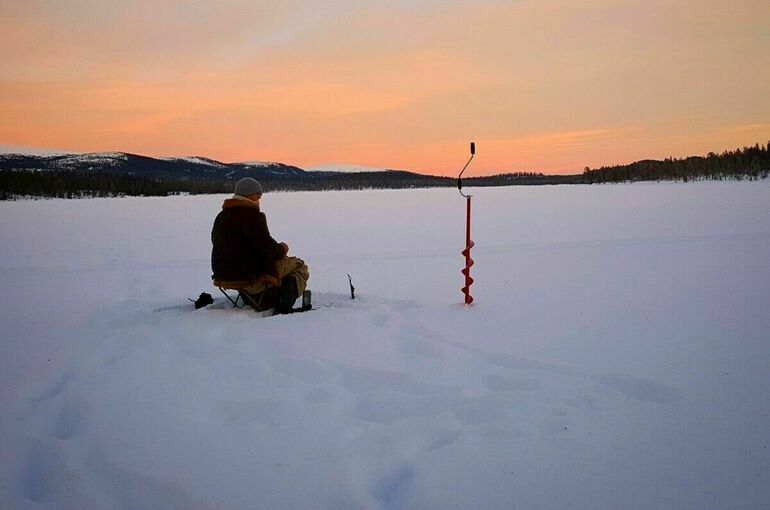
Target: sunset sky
(545, 85)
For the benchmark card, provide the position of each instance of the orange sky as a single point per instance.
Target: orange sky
(551, 86)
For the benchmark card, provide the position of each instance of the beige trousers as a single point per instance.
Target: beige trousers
(287, 266)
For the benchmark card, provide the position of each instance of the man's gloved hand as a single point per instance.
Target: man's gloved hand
(285, 248)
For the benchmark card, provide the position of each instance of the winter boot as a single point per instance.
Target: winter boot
(287, 295)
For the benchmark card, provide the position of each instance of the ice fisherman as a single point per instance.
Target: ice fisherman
(243, 250)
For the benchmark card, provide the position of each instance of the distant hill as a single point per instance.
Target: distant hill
(198, 168)
(123, 164)
(121, 173)
(117, 173)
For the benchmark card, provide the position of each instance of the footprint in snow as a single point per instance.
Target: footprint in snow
(362, 380)
(638, 388)
(70, 419)
(392, 487)
(410, 345)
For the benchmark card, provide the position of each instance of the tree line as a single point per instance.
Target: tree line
(68, 184)
(747, 163)
(71, 184)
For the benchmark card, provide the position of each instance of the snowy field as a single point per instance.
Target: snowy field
(617, 355)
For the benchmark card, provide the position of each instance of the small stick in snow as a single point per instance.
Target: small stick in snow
(352, 289)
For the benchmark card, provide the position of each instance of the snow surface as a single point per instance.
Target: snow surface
(198, 160)
(258, 164)
(95, 158)
(617, 356)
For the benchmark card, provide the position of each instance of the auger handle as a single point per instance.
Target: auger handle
(459, 177)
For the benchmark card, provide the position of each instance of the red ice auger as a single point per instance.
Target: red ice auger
(468, 243)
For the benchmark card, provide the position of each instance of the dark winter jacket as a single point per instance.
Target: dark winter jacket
(242, 248)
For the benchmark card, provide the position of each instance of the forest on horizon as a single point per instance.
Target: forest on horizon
(752, 163)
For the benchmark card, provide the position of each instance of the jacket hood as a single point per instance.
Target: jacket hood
(238, 201)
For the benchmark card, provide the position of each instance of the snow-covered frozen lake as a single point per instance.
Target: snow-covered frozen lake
(617, 354)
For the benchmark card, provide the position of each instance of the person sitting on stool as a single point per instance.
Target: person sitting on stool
(243, 249)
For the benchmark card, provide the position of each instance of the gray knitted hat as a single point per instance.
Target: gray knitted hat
(248, 186)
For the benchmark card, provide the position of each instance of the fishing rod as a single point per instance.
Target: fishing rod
(466, 271)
